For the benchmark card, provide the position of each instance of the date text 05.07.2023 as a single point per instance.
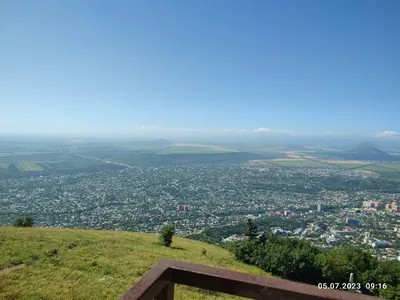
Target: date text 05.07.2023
(351, 286)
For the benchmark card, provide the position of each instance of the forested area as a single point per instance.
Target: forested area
(298, 260)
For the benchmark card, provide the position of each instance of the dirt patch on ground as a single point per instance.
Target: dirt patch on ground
(309, 157)
(10, 269)
(293, 156)
(297, 152)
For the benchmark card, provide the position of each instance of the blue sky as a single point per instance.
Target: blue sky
(123, 67)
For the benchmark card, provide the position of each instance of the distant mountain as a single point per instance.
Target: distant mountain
(367, 151)
(367, 147)
(364, 151)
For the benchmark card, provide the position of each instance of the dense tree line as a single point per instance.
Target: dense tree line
(298, 260)
(214, 234)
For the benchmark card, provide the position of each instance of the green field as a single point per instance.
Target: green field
(301, 163)
(385, 170)
(349, 166)
(390, 166)
(6, 154)
(3, 166)
(19, 153)
(24, 166)
(379, 169)
(43, 263)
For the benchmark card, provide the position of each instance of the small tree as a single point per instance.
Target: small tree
(251, 230)
(166, 234)
(26, 221)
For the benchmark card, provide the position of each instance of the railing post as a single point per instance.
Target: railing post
(167, 293)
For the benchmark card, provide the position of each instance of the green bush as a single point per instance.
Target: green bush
(166, 234)
(26, 221)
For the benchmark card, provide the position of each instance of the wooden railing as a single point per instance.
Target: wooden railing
(159, 284)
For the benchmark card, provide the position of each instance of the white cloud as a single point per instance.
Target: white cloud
(389, 133)
(263, 130)
(269, 130)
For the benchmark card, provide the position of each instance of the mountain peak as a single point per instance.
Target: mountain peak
(367, 148)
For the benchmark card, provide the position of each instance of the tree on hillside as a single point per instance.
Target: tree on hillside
(291, 259)
(247, 251)
(386, 272)
(26, 221)
(166, 234)
(262, 239)
(337, 264)
(251, 230)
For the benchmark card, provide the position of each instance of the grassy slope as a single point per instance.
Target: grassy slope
(94, 264)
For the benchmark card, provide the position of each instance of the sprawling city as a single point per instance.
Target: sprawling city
(332, 205)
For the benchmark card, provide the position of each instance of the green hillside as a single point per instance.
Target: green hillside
(44, 263)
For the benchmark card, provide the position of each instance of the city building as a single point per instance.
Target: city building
(330, 241)
(182, 207)
(377, 244)
(368, 204)
(373, 204)
(392, 207)
(288, 212)
(353, 222)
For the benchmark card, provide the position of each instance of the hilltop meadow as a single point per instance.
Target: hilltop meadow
(44, 263)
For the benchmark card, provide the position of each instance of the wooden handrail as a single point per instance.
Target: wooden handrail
(159, 282)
